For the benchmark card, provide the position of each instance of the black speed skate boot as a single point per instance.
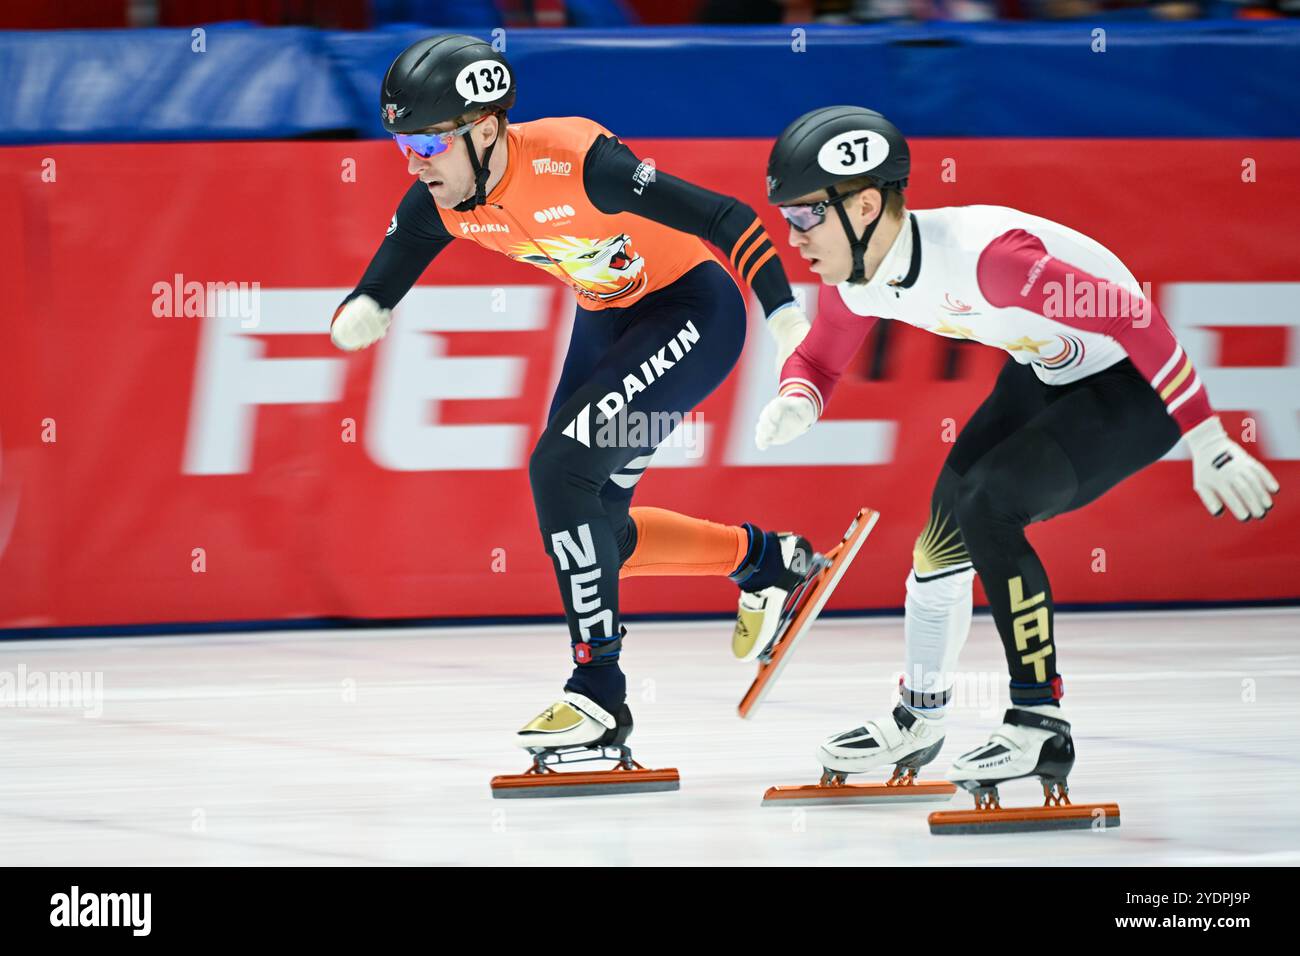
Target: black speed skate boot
(1032, 742)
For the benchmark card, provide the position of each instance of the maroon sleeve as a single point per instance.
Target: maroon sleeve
(821, 358)
(1015, 269)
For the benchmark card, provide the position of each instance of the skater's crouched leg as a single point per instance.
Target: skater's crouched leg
(566, 480)
(936, 623)
(939, 601)
(1026, 478)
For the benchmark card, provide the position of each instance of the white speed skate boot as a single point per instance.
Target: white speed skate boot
(575, 729)
(905, 741)
(1032, 742)
(761, 613)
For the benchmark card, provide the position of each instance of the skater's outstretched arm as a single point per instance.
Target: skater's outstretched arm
(1016, 269)
(414, 237)
(616, 181)
(809, 376)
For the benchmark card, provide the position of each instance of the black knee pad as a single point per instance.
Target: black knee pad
(545, 465)
(1030, 478)
(560, 466)
(984, 498)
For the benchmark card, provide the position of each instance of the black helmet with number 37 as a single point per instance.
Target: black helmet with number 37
(829, 146)
(440, 79)
(834, 144)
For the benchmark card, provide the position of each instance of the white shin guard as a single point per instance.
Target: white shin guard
(936, 625)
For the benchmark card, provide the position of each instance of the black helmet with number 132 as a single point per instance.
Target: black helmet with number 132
(441, 79)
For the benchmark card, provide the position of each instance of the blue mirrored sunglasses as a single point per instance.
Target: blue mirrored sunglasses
(425, 145)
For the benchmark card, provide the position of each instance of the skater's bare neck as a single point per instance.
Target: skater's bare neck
(881, 241)
(498, 161)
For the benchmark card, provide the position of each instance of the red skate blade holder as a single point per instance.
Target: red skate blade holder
(832, 791)
(813, 600)
(542, 780)
(1057, 813)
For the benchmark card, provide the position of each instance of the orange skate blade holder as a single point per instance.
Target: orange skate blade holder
(1057, 813)
(840, 557)
(626, 776)
(902, 787)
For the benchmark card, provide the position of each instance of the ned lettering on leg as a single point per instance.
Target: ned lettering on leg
(584, 593)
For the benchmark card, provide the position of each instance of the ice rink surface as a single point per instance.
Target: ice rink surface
(376, 747)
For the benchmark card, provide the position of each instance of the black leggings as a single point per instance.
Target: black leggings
(669, 351)
(1032, 451)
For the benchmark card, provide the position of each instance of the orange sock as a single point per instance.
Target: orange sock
(668, 543)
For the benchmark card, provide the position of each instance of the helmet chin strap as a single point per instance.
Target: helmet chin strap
(857, 243)
(481, 172)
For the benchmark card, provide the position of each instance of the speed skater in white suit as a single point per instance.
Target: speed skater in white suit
(1095, 388)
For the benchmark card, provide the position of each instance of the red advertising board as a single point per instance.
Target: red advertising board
(157, 465)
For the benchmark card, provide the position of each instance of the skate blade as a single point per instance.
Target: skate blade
(584, 783)
(1075, 816)
(841, 557)
(847, 794)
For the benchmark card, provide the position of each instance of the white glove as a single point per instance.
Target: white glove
(359, 323)
(784, 419)
(788, 326)
(1224, 475)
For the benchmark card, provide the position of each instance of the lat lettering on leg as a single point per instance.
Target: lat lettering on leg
(1031, 621)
